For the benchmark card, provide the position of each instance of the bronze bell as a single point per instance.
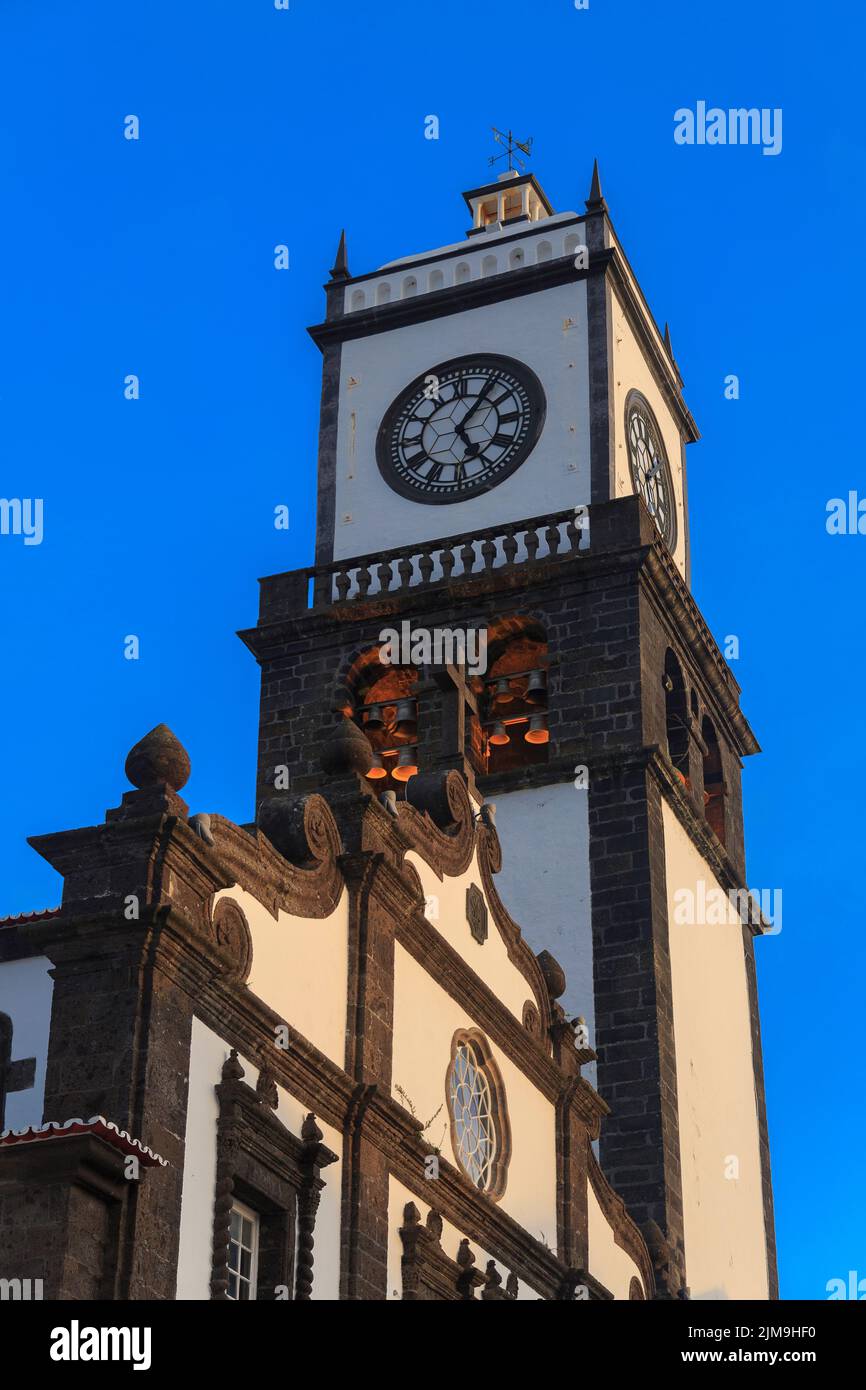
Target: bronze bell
(537, 731)
(500, 736)
(374, 718)
(504, 694)
(407, 765)
(407, 718)
(536, 690)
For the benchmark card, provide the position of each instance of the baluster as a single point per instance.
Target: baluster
(509, 547)
(467, 555)
(488, 554)
(404, 569)
(425, 565)
(383, 573)
(446, 560)
(363, 579)
(342, 584)
(572, 535)
(531, 542)
(551, 535)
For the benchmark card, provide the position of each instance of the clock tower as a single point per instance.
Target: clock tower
(502, 455)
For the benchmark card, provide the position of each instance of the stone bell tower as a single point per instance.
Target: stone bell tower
(502, 451)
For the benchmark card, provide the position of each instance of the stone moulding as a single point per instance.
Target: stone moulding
(677, 602)
(439, 825)
(97, 1125)
(430, 1275)
(519, 952)
(309, 884)
(626, 1232)
(438, 819)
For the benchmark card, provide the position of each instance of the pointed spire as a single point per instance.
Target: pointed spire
(340, 268)
(596, 197)
(668, 342)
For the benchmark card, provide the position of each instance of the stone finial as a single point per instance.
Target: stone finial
(346, 750)
(465, 1257)
(159, 759)
(232, 1069)
(434, 1225)
(411, 1215)
(554, 975)
(266, 1088)
(310, 1132)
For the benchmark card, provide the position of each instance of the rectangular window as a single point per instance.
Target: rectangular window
(243, 1253)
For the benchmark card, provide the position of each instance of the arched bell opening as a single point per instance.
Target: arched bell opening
(676, 720)
(714, 781)
(383, 701)
(513, 729)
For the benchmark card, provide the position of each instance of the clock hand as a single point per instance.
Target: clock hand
(491, 382)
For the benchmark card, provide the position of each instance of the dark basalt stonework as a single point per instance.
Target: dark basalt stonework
(347, 750)
(159, 758)
(102, 1058)
(609, 614)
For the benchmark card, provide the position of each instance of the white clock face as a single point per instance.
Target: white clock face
(650, 472)
(460, 428)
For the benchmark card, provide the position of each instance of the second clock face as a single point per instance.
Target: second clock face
(460, 428)
(651, 474)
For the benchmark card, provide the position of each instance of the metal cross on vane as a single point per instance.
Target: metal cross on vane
(508, 140)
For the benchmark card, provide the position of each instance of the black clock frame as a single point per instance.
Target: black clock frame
(637, 398)
(537, 411)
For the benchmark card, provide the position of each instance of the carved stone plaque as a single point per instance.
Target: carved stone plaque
(476, 912)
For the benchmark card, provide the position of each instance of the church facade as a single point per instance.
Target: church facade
(435, 1025)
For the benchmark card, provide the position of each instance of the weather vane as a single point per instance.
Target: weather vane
(525, 146)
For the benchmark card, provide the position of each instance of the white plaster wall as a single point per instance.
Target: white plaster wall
(25, 996)
(631, 372)
(425, 1020)
(532, 329)
(544, 881)
(301, 969)
(608, 1262)
(398, 1196)
(718, 1114)
(446, 909)
(207, 1054)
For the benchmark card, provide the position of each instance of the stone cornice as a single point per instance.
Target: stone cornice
(455, 299)
(640, 318)
(670, 587)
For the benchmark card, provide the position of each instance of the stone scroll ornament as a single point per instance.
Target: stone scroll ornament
(232, 935)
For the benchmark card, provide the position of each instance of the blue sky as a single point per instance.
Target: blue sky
(155, 257)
